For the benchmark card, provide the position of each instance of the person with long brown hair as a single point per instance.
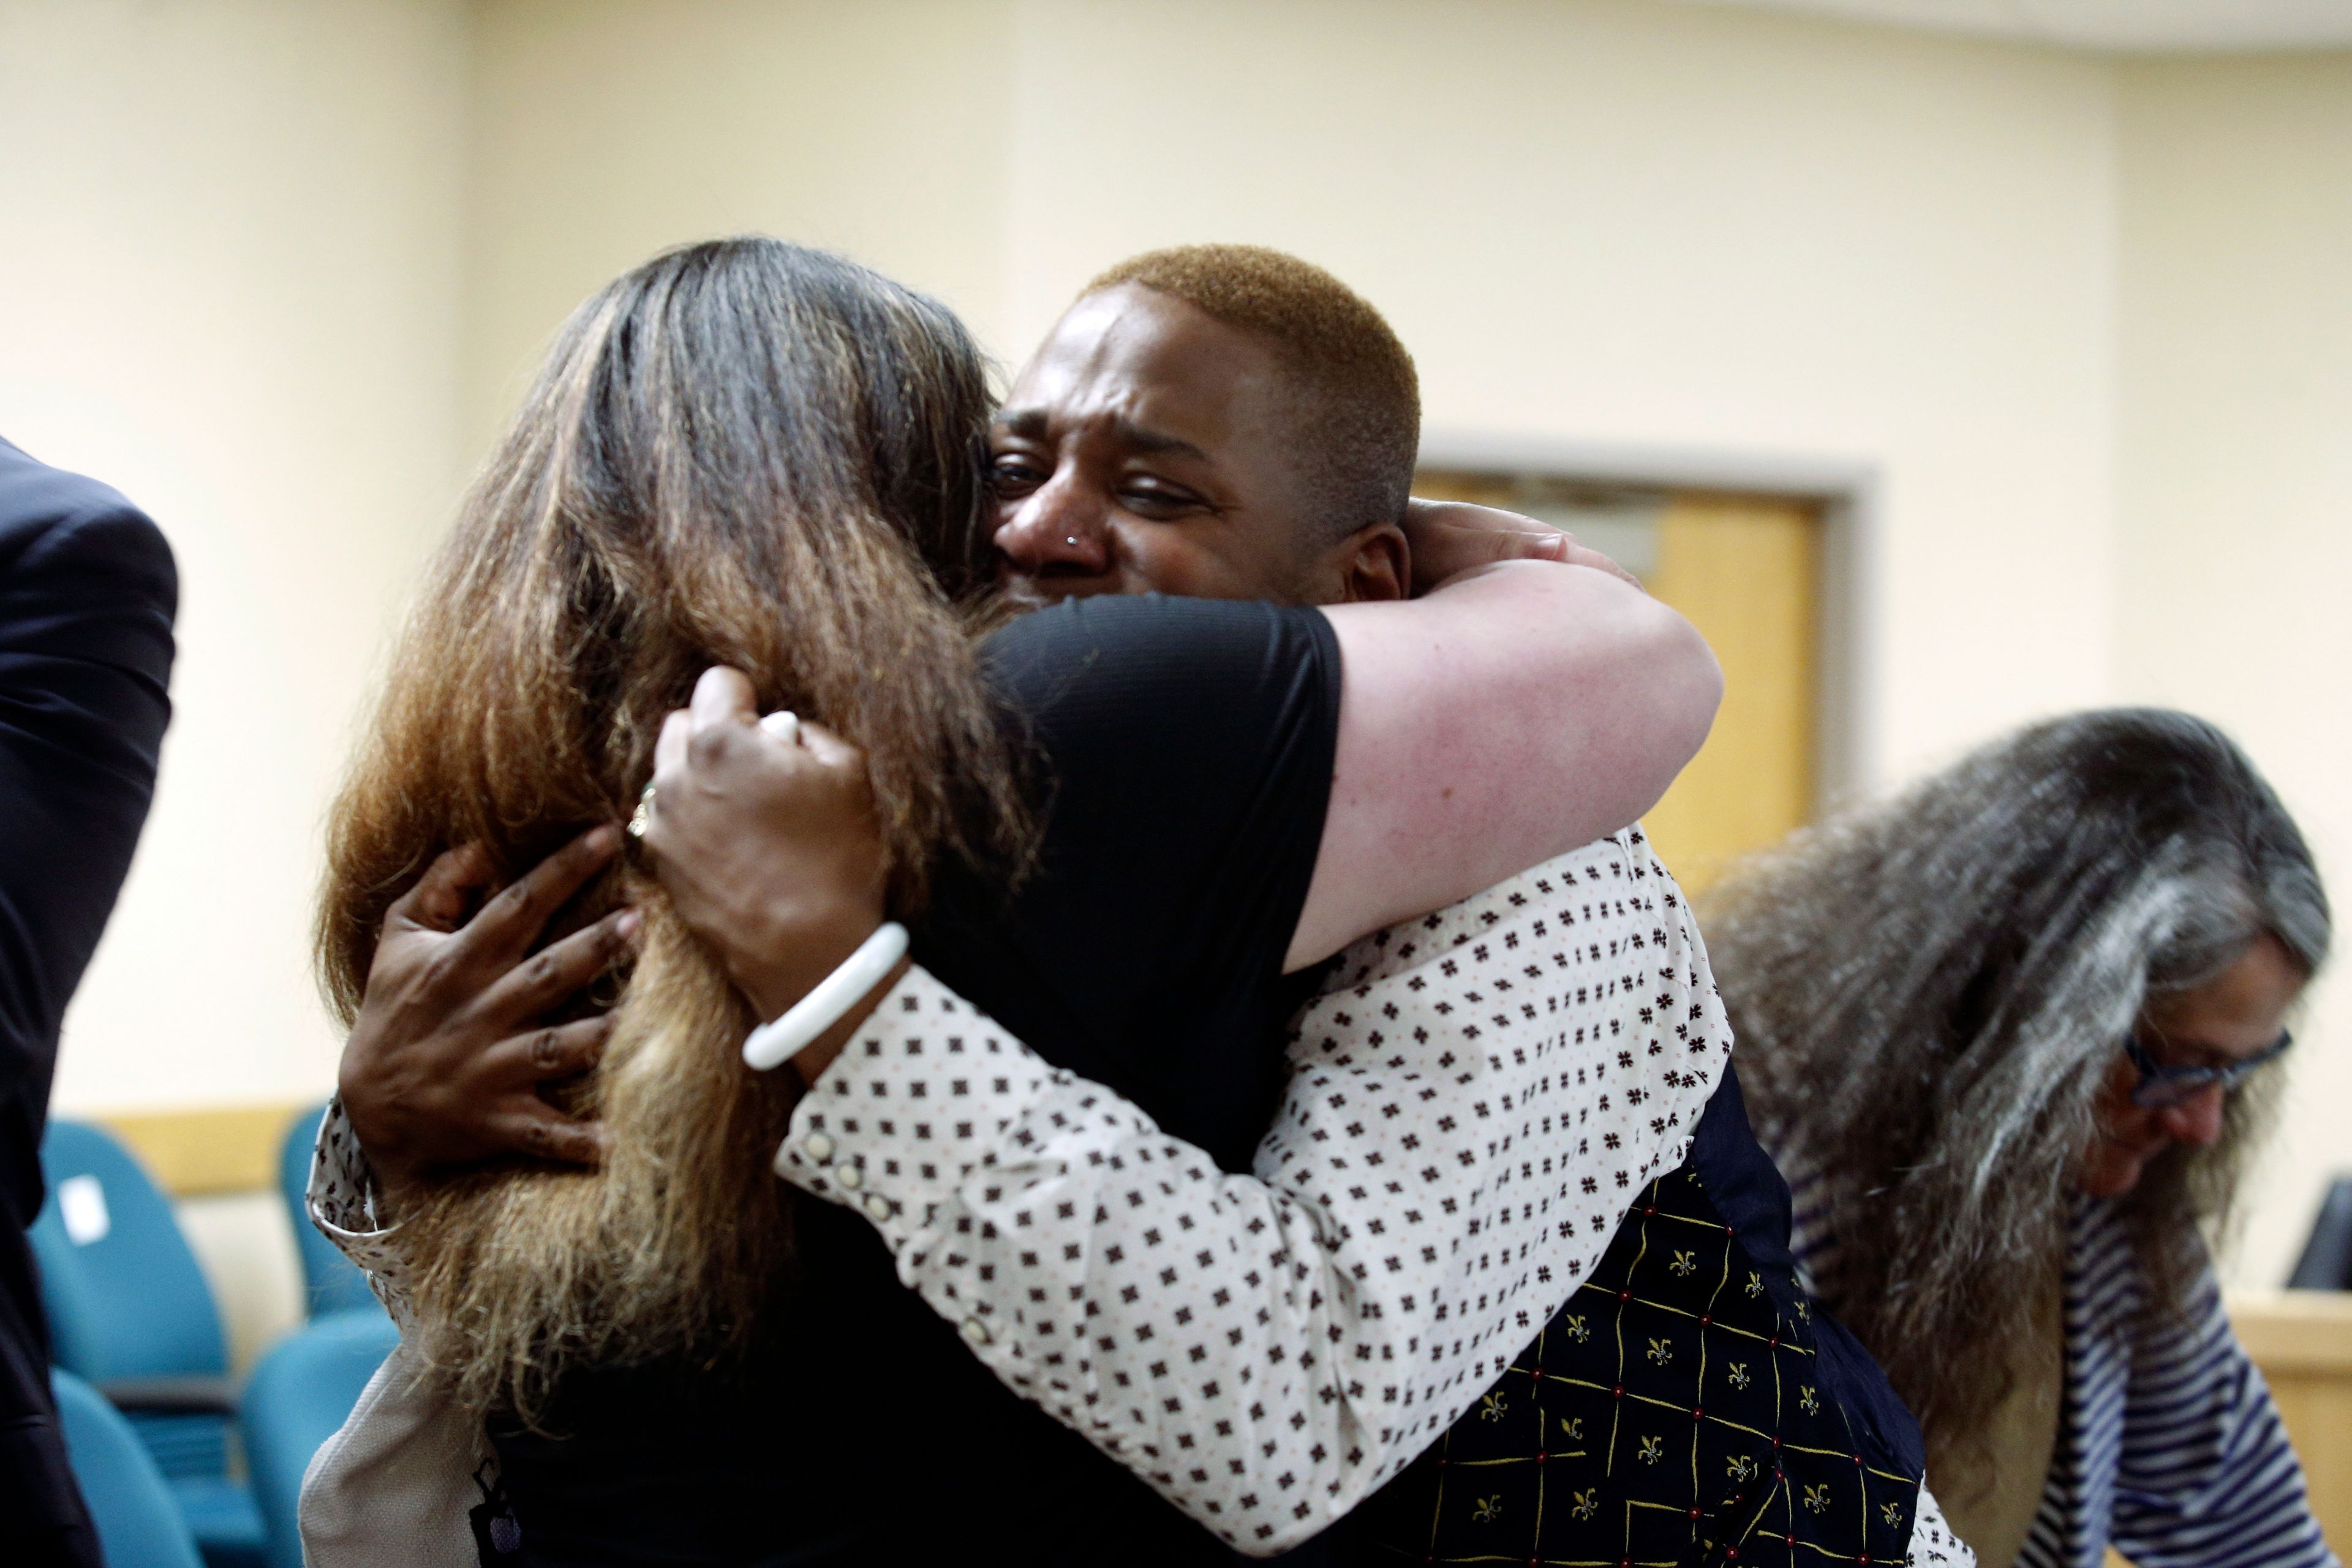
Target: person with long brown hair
(748, 454)
(677, 487)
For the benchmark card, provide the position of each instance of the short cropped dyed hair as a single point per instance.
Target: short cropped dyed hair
(1359, 398)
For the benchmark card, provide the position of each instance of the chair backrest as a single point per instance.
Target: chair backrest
(302, 1391)
(124, 1295)
(139, 1525)
(2326, 1261)
(332, 1282)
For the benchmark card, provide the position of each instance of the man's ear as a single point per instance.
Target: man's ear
(1372, 563)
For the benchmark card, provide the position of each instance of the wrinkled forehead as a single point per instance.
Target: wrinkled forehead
(1134, 359)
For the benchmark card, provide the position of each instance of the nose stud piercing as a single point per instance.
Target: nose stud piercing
(1069, 538)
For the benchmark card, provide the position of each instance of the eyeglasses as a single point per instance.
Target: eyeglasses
(2161, 1084)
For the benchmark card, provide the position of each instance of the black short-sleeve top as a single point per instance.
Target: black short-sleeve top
(1185, 750)
(1184, 755)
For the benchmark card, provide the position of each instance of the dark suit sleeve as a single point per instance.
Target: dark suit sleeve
(87, 592)
(87, 597)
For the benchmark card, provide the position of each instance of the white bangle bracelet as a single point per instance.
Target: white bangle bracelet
(820, 1009)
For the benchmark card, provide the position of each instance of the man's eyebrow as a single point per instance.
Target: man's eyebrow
(1033, 424)
(1157, 443)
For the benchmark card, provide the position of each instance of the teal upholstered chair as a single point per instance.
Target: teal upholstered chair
(138, 1522)
(131, 1313)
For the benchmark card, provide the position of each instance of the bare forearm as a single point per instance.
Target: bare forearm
(1518, 712)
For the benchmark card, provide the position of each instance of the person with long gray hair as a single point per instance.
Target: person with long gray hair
(2006, 1034)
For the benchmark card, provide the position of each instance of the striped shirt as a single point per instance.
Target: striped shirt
(2170, 1447)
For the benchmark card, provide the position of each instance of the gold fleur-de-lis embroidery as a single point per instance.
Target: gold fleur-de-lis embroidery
(1738, 1375)
(1488, 1511)
(1808, 1401)
(1816, 1498)
(1891, 1513)
(1653, 1450)
(1577, 1331)
(1661, 1351)
(1740, 1467)
(1588, 1503)
(1683, 1264)
(1574, 1425)
(1755, 1283)
(1804, 1313)
(1491, 1408)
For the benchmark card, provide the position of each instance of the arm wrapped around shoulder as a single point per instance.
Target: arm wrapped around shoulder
(1519, 711)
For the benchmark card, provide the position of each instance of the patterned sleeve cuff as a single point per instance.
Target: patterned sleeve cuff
(907, 1111)
(1933, 1543)
(346, 1205)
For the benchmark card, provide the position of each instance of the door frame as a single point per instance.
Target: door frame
(1847, 492)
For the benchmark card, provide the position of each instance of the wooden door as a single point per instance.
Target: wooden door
(1747, 572)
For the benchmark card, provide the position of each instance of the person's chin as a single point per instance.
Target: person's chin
(2112, 1172)
(1025, 594)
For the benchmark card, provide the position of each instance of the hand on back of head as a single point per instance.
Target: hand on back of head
(767, 845)
(459, 1031)
(1450, 539)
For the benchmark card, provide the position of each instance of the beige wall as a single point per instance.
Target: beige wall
(608, 129)
(229, 284)
(1615, 222)
(228, 252)
(277, 268)
(2234, 451)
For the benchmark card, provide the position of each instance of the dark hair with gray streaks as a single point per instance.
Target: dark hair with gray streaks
(1928, 994)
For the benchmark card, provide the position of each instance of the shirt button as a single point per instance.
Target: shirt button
(850, 1176)
(817, 1147)
(975, 1331)
(877, 1206)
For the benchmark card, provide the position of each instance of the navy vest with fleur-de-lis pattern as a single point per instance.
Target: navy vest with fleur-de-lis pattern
(1688, 1406)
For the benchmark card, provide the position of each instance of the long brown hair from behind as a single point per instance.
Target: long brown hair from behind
(742, 452)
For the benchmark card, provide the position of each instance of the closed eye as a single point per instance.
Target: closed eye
(1013, 475)
(1158, 500)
